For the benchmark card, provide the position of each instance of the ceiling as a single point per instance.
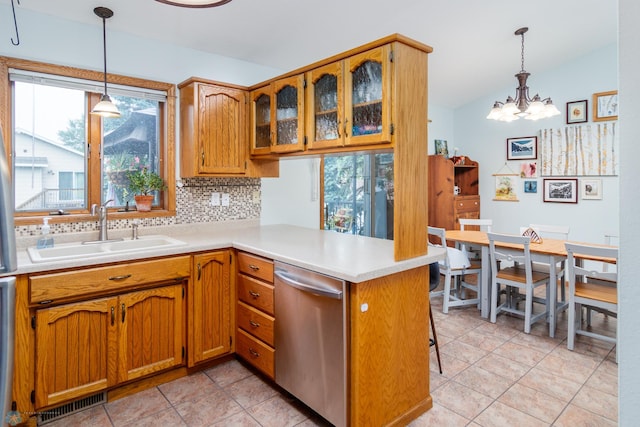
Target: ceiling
(475, 49)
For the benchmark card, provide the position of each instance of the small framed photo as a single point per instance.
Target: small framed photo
(528, 170)
(591, 189)
(577, 112)
(522, 148)
(441, 147)
(531, 186)
(561, 190)
(605, 106)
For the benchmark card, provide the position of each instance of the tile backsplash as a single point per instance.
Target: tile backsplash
(193, 205)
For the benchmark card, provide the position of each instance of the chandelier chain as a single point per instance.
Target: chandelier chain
(522, 54)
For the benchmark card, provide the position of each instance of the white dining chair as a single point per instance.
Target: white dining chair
(590, 287)
(481, 224)
(455, 267)
(560, 232)
(519, 276)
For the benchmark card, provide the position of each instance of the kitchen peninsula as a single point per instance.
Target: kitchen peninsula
(387, 316)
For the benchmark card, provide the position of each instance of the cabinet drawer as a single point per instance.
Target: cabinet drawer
(256, 352)
(467, 204)
(255, 293)
(101, 280)
(256, 322)
(255, 266)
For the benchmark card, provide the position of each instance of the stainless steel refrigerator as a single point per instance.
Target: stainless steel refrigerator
(8, 264)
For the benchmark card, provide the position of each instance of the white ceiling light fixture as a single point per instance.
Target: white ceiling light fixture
(522, 106)
(105, 108)
(195, 3)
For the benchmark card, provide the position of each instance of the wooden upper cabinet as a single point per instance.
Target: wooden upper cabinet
(349, 101)
(261, 135)
(325, 107)
(213, 129)
(287, 115)
(368, 97)
(209, 316)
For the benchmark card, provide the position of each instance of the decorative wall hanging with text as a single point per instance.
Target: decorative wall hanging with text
(585, 150)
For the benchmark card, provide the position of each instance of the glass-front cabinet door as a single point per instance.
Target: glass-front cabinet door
(367, 97)
(325, 122)
(261, 120)
(288, 126)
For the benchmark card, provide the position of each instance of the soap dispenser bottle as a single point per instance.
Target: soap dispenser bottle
(46, 241)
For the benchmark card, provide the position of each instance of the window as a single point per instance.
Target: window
(64, 158)
(358, 194)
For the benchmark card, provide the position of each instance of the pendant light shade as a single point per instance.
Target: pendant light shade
(194, 3)
(105, 108)
(522, 106)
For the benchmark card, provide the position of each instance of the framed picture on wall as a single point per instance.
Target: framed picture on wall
(605, 106)
(525, 147)
(561, 190)
(577, 112)
(530, 186)
(591, 189)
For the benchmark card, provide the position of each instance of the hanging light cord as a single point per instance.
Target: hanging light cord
(104, 51)
(15, 24)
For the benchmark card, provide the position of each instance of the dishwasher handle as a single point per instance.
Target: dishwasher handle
(307, 287)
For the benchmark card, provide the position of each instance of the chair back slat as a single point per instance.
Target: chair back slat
(596, 253)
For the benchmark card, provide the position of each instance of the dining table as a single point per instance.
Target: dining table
(550, 251)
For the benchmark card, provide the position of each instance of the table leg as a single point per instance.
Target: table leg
(553, 289)
(485, 283)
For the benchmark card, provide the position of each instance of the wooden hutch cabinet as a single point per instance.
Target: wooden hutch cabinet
(445, 207)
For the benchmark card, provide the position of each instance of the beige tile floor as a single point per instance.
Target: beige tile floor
(493, 375)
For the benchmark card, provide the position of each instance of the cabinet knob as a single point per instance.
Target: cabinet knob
(254, 267)
(254, 353)
(254, 324)
(254, 294)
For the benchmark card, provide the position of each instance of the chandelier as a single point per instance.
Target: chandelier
(522, 106)
(195, 3)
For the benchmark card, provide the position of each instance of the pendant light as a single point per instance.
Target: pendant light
(105, 108)
(522, 105)
(195, 3)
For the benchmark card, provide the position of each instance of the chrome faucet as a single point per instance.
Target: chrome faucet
(102, 219)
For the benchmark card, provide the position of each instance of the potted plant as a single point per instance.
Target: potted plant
(142, 183)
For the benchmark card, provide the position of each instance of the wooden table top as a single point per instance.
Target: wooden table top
(553, 247)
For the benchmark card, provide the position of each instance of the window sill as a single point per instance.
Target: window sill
(86, 217)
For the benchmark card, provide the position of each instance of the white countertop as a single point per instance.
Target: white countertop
(344, 256)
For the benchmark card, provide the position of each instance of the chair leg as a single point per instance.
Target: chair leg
(528, 309)
(571, 333)
(435, 338)
(446, 294)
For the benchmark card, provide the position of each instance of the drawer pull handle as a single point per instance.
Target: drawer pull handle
(254, 353)
(254, 324)
(124, 312)
(254, 267)
(122, 277)
(113, 315)
(254, 294)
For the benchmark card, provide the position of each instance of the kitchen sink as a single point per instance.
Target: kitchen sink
(95, 249)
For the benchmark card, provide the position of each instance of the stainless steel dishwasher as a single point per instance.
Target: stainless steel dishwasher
(311, 340)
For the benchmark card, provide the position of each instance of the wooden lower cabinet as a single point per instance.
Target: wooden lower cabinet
(89, 346)
(209, 317)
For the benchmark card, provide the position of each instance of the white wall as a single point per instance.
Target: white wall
(293, 198)
(485, 141)
(629, 291)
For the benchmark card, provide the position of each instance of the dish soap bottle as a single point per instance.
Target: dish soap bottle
(45, 241)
